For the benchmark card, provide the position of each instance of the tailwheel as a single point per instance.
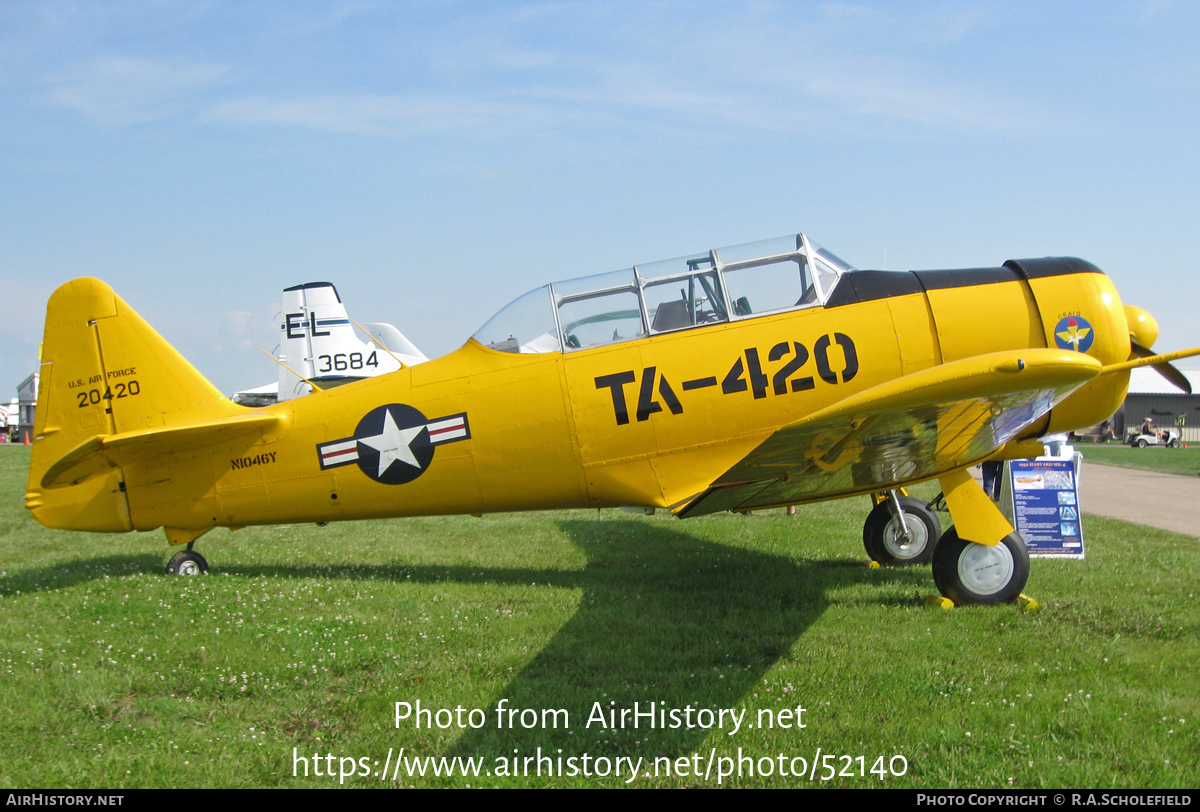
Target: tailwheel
(187, 562)
(970, 573)
(884, 535)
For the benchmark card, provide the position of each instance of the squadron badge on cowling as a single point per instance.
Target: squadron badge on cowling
(1074, 333)
(394, 444)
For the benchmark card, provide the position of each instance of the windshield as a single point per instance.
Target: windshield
(725, 284)
(525, 325)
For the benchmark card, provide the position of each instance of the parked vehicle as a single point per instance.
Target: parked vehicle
(1150, 434)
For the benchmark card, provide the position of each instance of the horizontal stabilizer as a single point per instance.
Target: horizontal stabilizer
(396, 343)
(101, 453)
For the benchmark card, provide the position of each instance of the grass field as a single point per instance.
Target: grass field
(1181, 461)
(115, 675)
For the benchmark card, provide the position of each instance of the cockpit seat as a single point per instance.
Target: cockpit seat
(671, 316)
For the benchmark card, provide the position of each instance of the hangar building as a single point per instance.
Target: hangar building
(27, 394)
(1151, 396)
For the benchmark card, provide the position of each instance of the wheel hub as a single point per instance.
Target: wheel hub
(900, 547)
(986, 570)
(189, 568)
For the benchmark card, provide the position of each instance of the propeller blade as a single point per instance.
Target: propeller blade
(1169, 372)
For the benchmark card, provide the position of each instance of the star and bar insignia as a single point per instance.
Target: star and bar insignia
(394, 444)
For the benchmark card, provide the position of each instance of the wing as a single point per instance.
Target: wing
(906, 430)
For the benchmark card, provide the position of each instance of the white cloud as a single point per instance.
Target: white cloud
(891, 98)
(953, 24)
(724, 76)
(121, 90)
(238, 321)
(392, 114)
(1151, 10)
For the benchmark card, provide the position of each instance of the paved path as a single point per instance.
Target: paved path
(1141, 497)
(1132, 495)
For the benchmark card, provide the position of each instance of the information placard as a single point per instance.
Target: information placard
(1045, 506)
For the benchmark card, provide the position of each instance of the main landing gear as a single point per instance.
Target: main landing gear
(187, 562)
(901, 531)
(966, 572)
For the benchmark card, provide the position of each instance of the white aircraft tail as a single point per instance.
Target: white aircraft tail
(318, 342)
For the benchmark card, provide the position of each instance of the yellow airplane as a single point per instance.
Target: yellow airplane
(756, 376)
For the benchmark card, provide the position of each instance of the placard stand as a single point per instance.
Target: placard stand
(1041, 499)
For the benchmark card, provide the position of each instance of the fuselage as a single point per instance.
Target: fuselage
(648, 422)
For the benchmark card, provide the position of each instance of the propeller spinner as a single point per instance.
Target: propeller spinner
(1143, 331)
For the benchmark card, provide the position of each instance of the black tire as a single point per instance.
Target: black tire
(187, 562)
(1173, 444)
(880, 536)
(1141, 443)
(970, 573)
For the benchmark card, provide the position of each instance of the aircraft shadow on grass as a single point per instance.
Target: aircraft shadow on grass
(72, 573)
(668, 618)
(665, 617)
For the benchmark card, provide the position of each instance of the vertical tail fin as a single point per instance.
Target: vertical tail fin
(104, 371)
(318, 341)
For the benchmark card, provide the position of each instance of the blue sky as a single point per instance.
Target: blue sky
(436, 160)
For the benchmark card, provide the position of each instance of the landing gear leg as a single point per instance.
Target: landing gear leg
(993, 566)
(186, 562)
